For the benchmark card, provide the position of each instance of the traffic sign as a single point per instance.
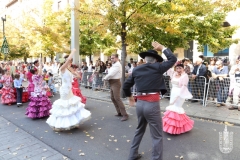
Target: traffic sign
(5, 48)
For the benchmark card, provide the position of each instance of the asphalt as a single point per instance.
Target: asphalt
(195, 110)
(105, 137)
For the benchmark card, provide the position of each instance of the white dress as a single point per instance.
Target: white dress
(175, 120)
(68, 111)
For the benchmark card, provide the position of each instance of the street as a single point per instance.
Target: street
(105, 137)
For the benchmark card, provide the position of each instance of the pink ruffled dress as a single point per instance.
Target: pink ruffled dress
(8, 96)
(30, 87)
(40, 104)
(175, 120)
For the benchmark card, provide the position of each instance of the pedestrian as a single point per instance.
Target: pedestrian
(220, 72)
(114, 75)
(149, 82)
(175, 120)
(198, 81)
(18, 85)
(51, 84)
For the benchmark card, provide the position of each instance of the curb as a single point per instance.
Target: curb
(204, 118)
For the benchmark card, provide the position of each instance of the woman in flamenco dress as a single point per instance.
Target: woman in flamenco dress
(39, 105)
(75, 85)
(67, 112)
(8, 93)
(175, 120)
(30, 87)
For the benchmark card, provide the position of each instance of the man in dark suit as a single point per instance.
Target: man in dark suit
(149, 81)
(198, 85)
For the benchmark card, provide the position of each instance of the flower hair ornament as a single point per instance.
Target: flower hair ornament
(34, 68)
(62, 60)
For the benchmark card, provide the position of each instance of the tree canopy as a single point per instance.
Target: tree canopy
(138, 22)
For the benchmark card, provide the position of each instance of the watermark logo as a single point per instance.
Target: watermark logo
(226, 141)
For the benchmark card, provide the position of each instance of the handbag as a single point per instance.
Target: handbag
(91, 78)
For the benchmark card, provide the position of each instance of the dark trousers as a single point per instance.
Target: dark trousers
(198, 87)
(19, 95)
(222, 90)
(115, 87)
(148, 113)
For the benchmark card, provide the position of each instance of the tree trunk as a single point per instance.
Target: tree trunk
(123, 55)
(25, 59)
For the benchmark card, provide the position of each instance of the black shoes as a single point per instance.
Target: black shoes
(194, 101)
(139, 156)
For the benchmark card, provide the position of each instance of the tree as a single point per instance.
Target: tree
(94, 36)
(173, 23)
(47, 32)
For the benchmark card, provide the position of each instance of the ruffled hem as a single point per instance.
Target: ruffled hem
(69, 122)
(68, 114)
(8, 101)
(37, 115)
(175, 123)
(8, 96)
(38, 107)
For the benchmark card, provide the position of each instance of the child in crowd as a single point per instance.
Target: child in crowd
(7, 91)
(51, 83)
(18, 85)
(45, 75)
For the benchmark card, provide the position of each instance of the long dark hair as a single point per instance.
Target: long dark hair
(33, 70)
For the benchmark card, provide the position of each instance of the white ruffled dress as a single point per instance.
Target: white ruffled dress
(67, 112)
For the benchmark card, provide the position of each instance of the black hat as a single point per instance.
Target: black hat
(151, 53)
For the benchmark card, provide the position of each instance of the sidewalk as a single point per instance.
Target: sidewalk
(196, 110)
(16, 144)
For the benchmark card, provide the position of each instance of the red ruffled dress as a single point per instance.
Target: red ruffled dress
(8, 93)
(175, 120)
(77, 92)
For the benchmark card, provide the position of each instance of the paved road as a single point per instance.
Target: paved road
(105, 137)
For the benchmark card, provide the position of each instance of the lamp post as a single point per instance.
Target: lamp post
(4, 20)
(4, 48)
(75, 31)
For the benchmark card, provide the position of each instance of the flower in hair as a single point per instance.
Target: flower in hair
(61, 60)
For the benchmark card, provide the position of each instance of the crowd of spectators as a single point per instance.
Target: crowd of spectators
(214, 76)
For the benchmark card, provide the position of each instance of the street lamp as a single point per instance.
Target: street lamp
(4, 20)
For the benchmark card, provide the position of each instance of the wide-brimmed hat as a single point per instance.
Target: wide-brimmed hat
(151, 53)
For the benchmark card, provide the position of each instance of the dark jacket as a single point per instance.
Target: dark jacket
(149, 77)
(202, 70)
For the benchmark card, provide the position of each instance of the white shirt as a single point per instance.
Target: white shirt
(90, 68)
(131, 69)
(198, 69)
(115, 72)
(55, 68)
